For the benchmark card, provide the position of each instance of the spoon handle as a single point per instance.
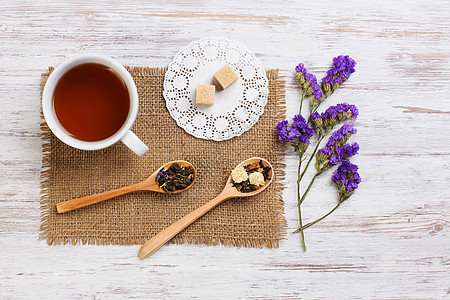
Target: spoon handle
(92, 199)
(164, 236)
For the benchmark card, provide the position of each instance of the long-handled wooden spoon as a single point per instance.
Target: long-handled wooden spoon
(150, 184)
(228, 192)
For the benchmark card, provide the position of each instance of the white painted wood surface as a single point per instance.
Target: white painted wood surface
(389, 241)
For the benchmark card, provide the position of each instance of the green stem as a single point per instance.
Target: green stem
(324, 216)
(300, 201)
(311, 157)
(301, 104)
(308, 188)
(300, 154)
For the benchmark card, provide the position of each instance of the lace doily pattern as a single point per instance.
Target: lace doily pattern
(236, 109)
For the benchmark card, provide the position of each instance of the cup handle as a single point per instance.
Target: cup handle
(134, 143)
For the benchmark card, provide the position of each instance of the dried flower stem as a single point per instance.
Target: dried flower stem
(301, 201)
(309, 187)
(324, 216)
(311, 157)
(301, 103)
(300, 154)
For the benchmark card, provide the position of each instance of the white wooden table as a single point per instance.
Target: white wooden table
(390, 240)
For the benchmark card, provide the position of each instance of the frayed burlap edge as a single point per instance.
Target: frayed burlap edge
(279, 173)
(45, 170)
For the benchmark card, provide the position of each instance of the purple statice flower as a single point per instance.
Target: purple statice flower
(347, 128)
(337, 80)
(317, 119)
(298, 120)
(283, 130)
(343, 67)
(325, 150)
(336, 148)
(355, 112)
(343, 152)
(317, 95)
(334, 115)
(342, 107)
(323, 155)
(327, 79)
(301, 68)
(300, 123)
(304, 140)
(293, 133)
(340, 136)
(300, 73)
(311, 78)
(308, 82)
(161, 174)
(282, 124)
(311, 86)
(350, 150)
(356, 177)
(340, 154)
(333, 160)
(330, 113)
(326, 83)
(345, 64)
(317, 91)
(297, 134)
(346, 178)
(315, 116)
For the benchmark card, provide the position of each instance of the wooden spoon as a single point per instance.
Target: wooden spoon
(228, 192)
(150, 184)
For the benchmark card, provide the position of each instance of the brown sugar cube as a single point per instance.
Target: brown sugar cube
(225, 76)
(205, 95)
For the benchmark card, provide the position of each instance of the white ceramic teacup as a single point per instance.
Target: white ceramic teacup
(124, 134)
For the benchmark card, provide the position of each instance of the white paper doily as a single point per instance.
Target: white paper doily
(236, 109)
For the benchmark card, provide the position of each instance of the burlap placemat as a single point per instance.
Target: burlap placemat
(134, 218)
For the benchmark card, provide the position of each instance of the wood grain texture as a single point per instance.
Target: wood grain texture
(389, 241)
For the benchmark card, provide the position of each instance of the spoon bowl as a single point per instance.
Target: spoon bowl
(149, 184)
(229, 191)
(233, 191)
(153, 185)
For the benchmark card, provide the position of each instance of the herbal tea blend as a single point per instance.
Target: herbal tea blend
(175, 177)
(251, 177)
